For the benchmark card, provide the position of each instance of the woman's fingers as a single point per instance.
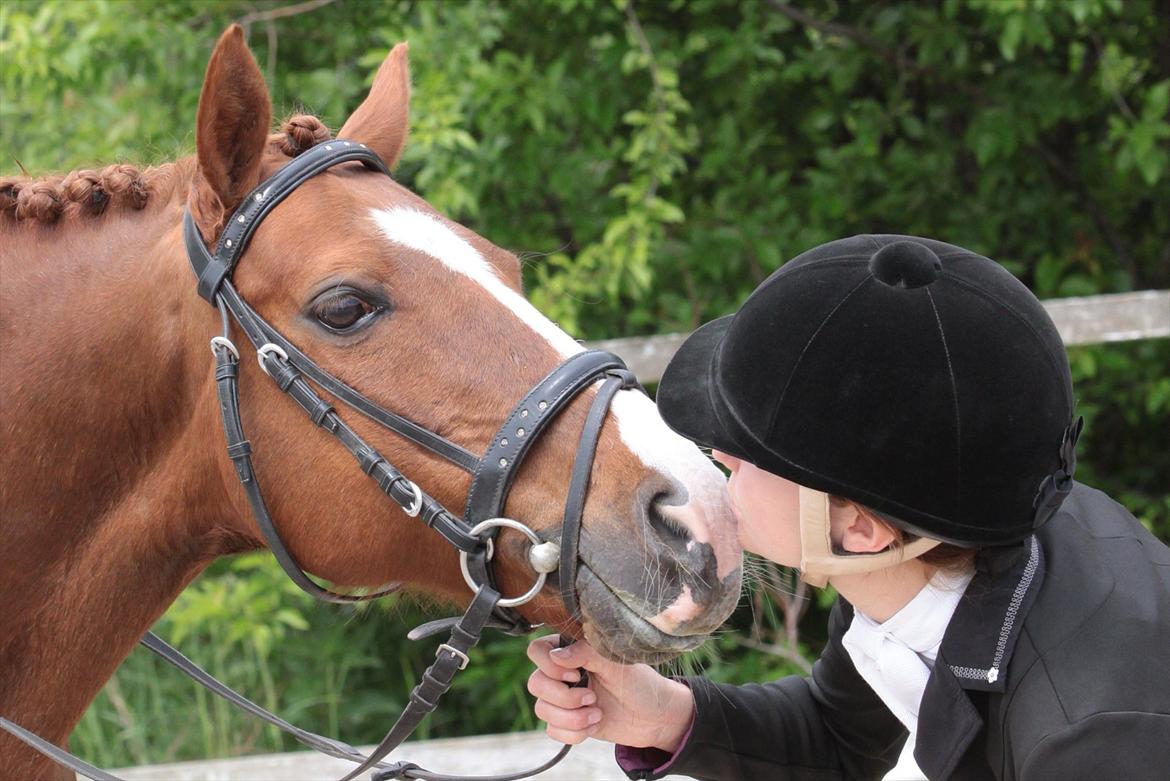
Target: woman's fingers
(540, 647)
(558, 693)
(572, 737)
(569, 712)
(539, 651)
(569, 719)
(580, 654)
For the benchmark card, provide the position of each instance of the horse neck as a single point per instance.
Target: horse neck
(111, 499)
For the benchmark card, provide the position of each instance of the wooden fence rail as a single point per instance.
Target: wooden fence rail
(1115, 317)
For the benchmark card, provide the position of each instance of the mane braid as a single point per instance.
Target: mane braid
(91, 193)
(300, 133)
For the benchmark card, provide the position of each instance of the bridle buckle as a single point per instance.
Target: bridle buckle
(224, 342)
(264, 350)
(464, 660)
(416, 502)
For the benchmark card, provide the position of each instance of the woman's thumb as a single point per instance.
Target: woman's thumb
(580, 654)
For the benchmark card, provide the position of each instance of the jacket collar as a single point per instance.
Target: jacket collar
(978, 644)
(976, 652)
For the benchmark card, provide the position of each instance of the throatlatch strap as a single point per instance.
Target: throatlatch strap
(240, 452)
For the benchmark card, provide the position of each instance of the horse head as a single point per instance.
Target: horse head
(428, 319)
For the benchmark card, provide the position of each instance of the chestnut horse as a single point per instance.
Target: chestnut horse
(116, 490)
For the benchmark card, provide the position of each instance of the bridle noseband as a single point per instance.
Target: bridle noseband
(473, 534)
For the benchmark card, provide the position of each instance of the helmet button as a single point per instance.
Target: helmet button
(905, 265)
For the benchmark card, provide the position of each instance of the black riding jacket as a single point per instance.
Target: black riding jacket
(1055, 665)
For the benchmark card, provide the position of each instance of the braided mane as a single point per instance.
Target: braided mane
(122, 186)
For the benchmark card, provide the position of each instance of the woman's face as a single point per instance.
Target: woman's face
(768, 510)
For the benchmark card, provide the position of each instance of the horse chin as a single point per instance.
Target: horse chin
(618, 632)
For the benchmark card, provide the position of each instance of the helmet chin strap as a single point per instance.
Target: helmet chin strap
(817, 560)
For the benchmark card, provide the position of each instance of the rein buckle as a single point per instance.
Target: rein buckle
(464, 660)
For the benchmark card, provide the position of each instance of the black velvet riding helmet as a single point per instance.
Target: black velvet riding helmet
(914, 377)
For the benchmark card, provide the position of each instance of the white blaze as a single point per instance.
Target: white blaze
(422, 232)
(639, 424)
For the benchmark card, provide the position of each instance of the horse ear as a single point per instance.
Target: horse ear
(231, 129)
(382, 120)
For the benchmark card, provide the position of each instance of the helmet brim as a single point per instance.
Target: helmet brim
(688, 395)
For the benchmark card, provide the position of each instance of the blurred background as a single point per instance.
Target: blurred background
(651, 162)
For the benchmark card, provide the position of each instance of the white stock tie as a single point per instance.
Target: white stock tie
(896, 656)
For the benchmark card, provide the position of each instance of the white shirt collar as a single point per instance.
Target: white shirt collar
(922, 622)
(895, 656)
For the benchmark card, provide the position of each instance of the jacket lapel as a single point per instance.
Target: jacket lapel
(978, 644)
(948, 722)
(975, 653)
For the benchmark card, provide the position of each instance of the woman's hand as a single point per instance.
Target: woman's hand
(628, 704)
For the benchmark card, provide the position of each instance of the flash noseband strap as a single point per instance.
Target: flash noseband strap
(817, 560)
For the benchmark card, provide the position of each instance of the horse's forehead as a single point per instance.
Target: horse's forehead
(408, 227)
(350, 220)
(341, 204)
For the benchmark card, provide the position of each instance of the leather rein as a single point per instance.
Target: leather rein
(473, 534)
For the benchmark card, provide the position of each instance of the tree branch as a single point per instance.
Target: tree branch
(1118, 98)
(282, 11)
(791, 654)
(273, 42)
(842, 31)
(864, 39)
(1064, 173)
(655, 84)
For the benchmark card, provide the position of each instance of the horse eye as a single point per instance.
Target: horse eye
(343, 311)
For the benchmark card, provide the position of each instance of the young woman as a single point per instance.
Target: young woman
(897, 417)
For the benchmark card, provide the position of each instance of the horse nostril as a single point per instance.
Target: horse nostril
(674, 534)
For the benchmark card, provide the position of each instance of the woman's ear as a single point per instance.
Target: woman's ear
(231, 131)
(856, 531)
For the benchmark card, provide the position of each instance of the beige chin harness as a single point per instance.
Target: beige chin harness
(817, 560)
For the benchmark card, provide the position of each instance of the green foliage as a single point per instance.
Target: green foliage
(652, 162)
(1123, 390)
(339, 671)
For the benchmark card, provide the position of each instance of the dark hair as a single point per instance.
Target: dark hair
(949, 558)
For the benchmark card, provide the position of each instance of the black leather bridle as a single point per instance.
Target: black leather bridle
(473, 534)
